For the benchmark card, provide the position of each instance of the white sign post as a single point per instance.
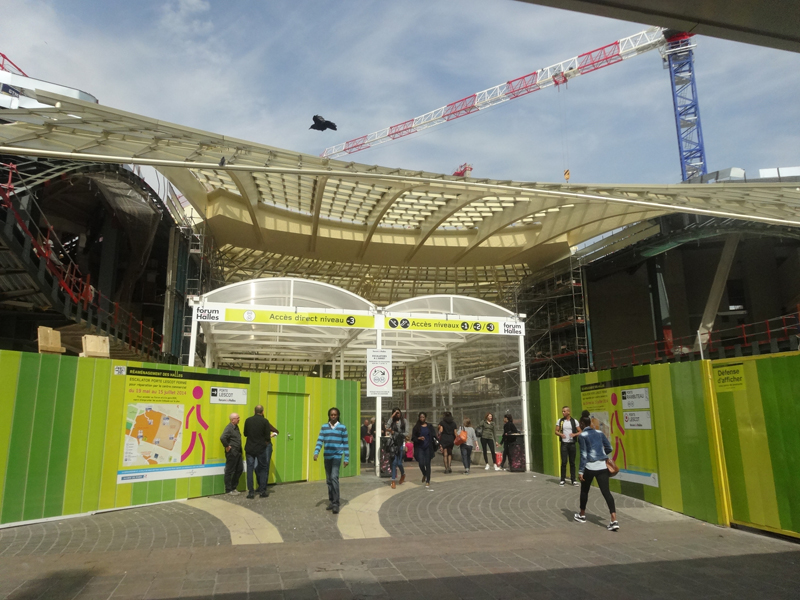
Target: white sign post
(379, 373)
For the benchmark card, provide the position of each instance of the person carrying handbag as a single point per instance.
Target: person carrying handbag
(468, 445)
(595, 452)
(488, 437)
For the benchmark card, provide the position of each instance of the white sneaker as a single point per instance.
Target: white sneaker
(496, 468)
(233, 493)
(487, 467)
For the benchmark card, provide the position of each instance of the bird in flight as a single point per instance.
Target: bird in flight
(320, 124)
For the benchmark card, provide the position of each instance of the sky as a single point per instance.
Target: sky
(260, 69)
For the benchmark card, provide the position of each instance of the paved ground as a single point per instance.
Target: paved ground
(493, 536)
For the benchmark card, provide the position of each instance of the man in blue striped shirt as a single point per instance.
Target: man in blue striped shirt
(333, 435)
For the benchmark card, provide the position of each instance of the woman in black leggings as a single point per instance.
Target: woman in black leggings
(595, 448)
(489, 440)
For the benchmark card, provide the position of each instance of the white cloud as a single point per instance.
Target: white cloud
(259, 70)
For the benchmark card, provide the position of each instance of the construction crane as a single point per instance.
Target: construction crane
(6, 64)
(676, 51)
(463, 171)
(678, 57)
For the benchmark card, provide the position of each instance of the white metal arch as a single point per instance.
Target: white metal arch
(286, 324)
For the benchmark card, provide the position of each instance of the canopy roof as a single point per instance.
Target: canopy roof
(270, 338)
(264, 201)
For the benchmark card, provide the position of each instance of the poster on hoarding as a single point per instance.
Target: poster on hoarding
(621, 410)
(165, 433)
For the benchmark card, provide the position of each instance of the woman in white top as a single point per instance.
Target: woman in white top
(467, 447)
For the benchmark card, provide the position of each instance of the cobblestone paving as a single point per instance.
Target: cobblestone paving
(173, 525)
(298, 509)
(456, 502)
(655, 561)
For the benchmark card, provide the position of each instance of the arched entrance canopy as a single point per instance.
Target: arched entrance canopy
(292, 325)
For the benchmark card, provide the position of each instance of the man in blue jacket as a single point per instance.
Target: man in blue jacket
(333, 435)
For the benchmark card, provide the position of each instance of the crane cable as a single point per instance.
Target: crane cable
(562, 109)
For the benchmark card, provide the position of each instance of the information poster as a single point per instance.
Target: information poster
(379, 373)
(165, 432)
(621, 410)
(729, 377)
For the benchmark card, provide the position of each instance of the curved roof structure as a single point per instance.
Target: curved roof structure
(288, 291)
(280, 324)
(262, 202)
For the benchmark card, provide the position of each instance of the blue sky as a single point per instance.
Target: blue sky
(260, 69)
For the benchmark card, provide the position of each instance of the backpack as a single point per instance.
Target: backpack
(572, 421)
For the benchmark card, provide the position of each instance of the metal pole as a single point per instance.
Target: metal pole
(193, 337)
(378, 418)
(449, 377)
(523, 383)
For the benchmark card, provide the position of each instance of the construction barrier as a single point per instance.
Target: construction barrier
(79, 435)
(715, 440)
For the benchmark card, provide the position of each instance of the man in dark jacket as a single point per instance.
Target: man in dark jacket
(232, 442)
(258, 450)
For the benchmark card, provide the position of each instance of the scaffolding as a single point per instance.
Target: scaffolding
(557, 328)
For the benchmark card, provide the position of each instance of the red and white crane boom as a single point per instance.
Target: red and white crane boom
(557, 74)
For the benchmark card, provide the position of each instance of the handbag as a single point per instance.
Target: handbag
(461, 438)
(613, 469)
(479, 432)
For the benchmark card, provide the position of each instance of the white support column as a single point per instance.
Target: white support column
(449, 377)
(193, 338)
(341, 364)
(333, 367)
(433, 381)
(378, 418)
(405, 394)
(716, 291)
(526, 418)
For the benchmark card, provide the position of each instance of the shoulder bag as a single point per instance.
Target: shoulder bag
(461, 437)
(613, 469)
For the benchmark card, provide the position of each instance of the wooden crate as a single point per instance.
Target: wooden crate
(50, 341)
(95, 346)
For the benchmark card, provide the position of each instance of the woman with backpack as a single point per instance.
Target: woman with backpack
(424, 438)
(447, 438)
(509, 437)
(467, 446)
(595, 451)
(488, 435)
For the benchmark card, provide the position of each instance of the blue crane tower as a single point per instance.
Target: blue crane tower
(678, 56)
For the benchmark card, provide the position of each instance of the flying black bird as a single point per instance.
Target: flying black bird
(320, 124)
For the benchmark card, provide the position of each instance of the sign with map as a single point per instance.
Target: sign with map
(629, 431)
(166, 435)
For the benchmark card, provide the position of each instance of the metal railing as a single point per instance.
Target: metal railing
(763, 337)
(82, 301)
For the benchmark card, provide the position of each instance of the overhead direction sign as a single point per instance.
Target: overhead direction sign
(287, 317)
(453, 324)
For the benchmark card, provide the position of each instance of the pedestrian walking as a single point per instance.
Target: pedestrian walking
(488, 435)
(423, 437)
(447, 438)
(231, 440)
(258, 451)
(333, 435)
(567, 429)
(509, 437)
(396, 431)
(374, 437)
(364, 441)
(595, 450)
(468, 446)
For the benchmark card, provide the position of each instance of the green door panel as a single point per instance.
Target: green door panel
(289, 447)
